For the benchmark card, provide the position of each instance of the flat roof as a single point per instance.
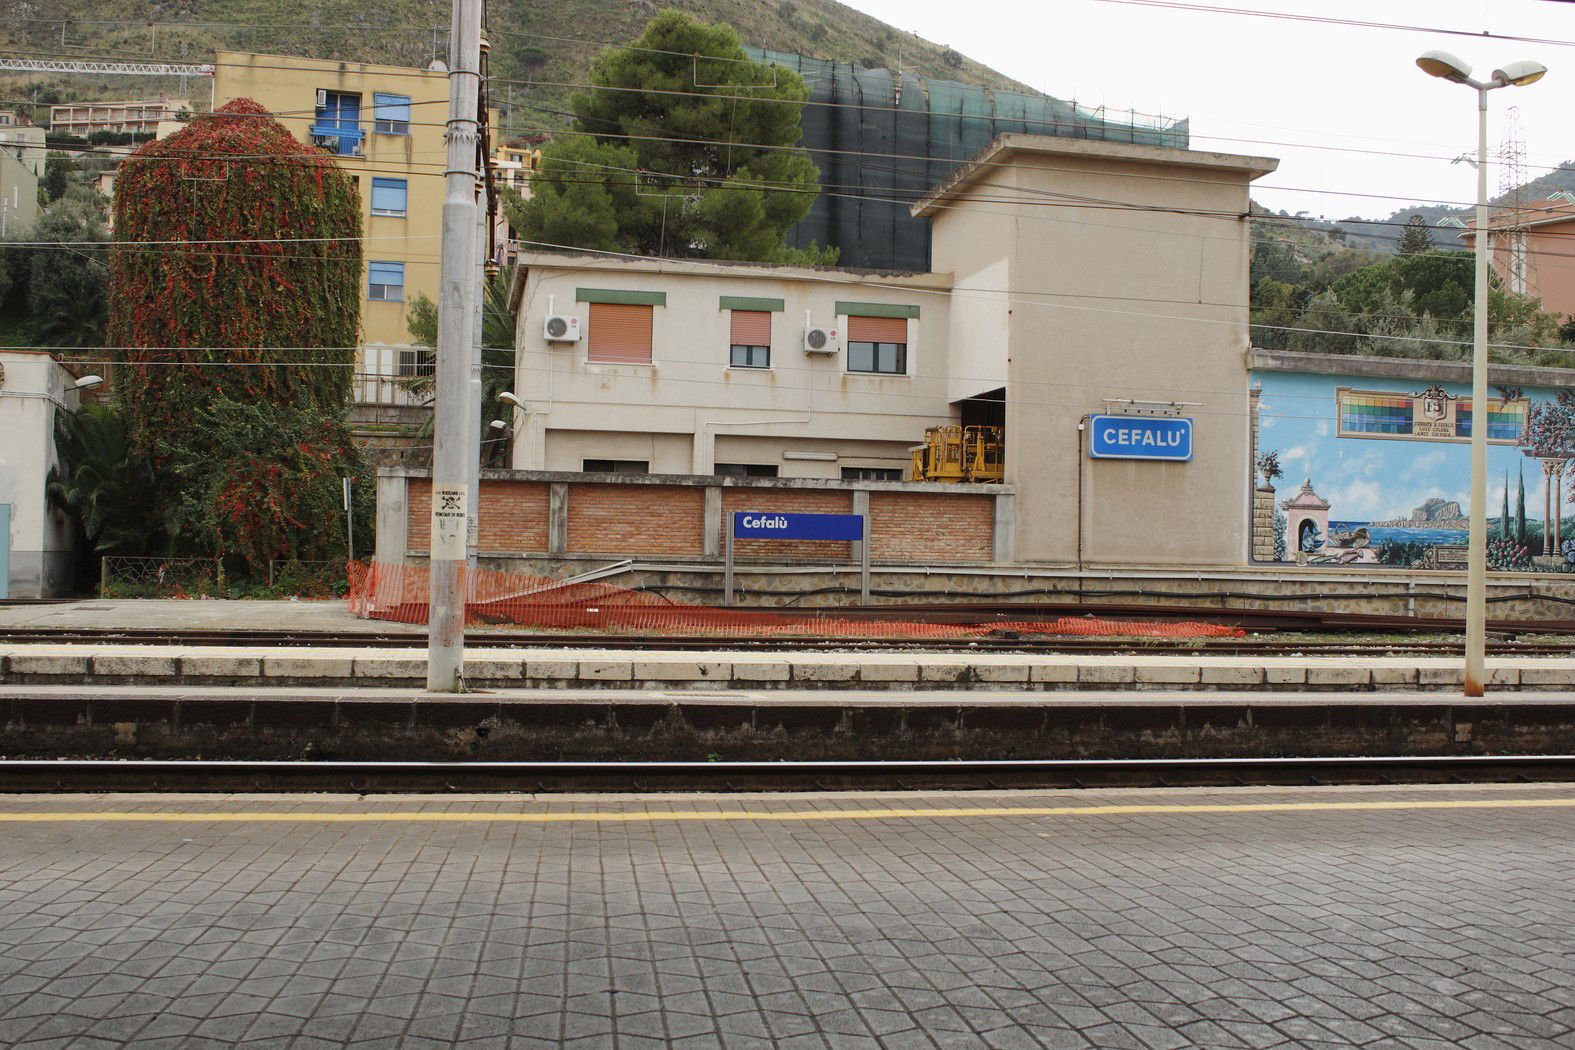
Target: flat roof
(590, 260)
(1091, 149)
(298, 61)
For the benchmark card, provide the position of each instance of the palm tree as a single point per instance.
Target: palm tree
(107, 483)
(497, 362)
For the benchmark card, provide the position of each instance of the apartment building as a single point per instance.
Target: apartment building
(138, 115)
(385, 126)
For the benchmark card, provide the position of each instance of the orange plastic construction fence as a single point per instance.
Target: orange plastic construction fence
(399, 593)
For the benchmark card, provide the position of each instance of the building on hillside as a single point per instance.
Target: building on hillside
(385, 125)
(24, 139)
(1038, 314)
(18, 193)
(36, 554)
(1539, 266)
(137, 116)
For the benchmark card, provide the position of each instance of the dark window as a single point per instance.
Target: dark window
(385, 281)
(871, 474)
(750, 356)
(417, 362)
(751, 342)
(886, 358)
(745, 470)
(616, 466)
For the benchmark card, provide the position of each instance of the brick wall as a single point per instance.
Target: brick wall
(926, 527)
(789, 501)
(1263, 524)
(636, 519)
(513, 515)
(632, 520)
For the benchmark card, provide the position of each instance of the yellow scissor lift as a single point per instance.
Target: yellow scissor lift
(952, 452)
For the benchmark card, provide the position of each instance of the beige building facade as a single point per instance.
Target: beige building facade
(1072, 279)
(671, 391)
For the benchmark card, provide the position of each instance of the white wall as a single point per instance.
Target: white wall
(34, 388)
(689, 409)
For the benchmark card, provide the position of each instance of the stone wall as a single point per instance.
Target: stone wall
(1263, 512)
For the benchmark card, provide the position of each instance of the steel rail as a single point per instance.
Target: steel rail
(370, 777)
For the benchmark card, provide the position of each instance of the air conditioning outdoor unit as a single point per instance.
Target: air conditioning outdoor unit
(561, 329)
(322, 97)
(820, 340)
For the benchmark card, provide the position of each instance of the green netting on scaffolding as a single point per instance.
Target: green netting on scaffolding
(881, 140)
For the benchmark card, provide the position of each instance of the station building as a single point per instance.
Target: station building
(1071, 279)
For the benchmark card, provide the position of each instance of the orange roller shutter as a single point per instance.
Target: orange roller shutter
(877, 329)
(619, 333)
(751, 328)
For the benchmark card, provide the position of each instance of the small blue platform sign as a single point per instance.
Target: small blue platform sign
(1140, 437)
(769, 525)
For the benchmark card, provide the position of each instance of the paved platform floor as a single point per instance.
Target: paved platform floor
(1335, 917)
(172, 614)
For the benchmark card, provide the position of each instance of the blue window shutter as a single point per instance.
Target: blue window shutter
(389, 196)
(385, 281)
(391, 114)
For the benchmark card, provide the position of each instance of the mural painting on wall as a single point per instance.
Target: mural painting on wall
(1380, 473)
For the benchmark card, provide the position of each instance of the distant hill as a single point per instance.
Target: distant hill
(1385, 237)
(547, 42)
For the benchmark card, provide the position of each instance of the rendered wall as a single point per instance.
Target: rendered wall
(1143, 299)
(689, 409)
(34, 389)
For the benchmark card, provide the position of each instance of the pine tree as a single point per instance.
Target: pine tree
(1415, 239)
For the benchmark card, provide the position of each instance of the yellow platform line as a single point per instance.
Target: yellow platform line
(655, 816)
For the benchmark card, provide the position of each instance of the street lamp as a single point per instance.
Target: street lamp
(1515, 74)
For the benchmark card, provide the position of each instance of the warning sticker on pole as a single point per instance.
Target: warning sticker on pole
(448, 522)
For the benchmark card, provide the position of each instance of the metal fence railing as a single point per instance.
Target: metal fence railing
(128, 577)
(308, 579)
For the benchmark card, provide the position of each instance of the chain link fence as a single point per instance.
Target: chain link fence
(125, 577)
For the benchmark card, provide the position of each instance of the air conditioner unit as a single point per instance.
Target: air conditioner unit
(820, 340)
(561, 329)
(322, 97)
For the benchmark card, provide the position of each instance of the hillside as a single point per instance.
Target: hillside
(1384, 238)
(540, 45)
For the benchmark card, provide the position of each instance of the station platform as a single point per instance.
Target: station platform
(90, 663)
(1428, 918)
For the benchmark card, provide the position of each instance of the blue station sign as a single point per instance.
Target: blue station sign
(770, 525)
(1140, 437)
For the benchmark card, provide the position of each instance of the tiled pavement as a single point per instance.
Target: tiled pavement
(1428, 928)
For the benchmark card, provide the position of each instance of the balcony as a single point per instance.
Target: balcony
(344, 140)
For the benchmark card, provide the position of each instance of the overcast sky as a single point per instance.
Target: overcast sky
(1330, 101)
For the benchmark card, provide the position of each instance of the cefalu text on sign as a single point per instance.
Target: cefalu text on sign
(1140, 437)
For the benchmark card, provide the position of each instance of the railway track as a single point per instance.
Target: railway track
(27, 776)
(1504, 645)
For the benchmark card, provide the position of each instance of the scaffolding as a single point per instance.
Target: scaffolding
(882, 139)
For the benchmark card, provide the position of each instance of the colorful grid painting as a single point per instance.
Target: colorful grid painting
(1506, 421)
(1364, 413)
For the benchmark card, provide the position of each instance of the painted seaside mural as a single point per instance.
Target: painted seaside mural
(1363, 470)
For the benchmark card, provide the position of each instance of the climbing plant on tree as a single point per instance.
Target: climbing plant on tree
(235, 291)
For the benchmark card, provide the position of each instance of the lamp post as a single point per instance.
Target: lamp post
(1515, 74)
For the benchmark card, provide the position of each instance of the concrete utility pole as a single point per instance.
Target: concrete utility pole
(456, 309)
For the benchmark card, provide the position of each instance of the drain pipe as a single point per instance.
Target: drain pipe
(1082, 429)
